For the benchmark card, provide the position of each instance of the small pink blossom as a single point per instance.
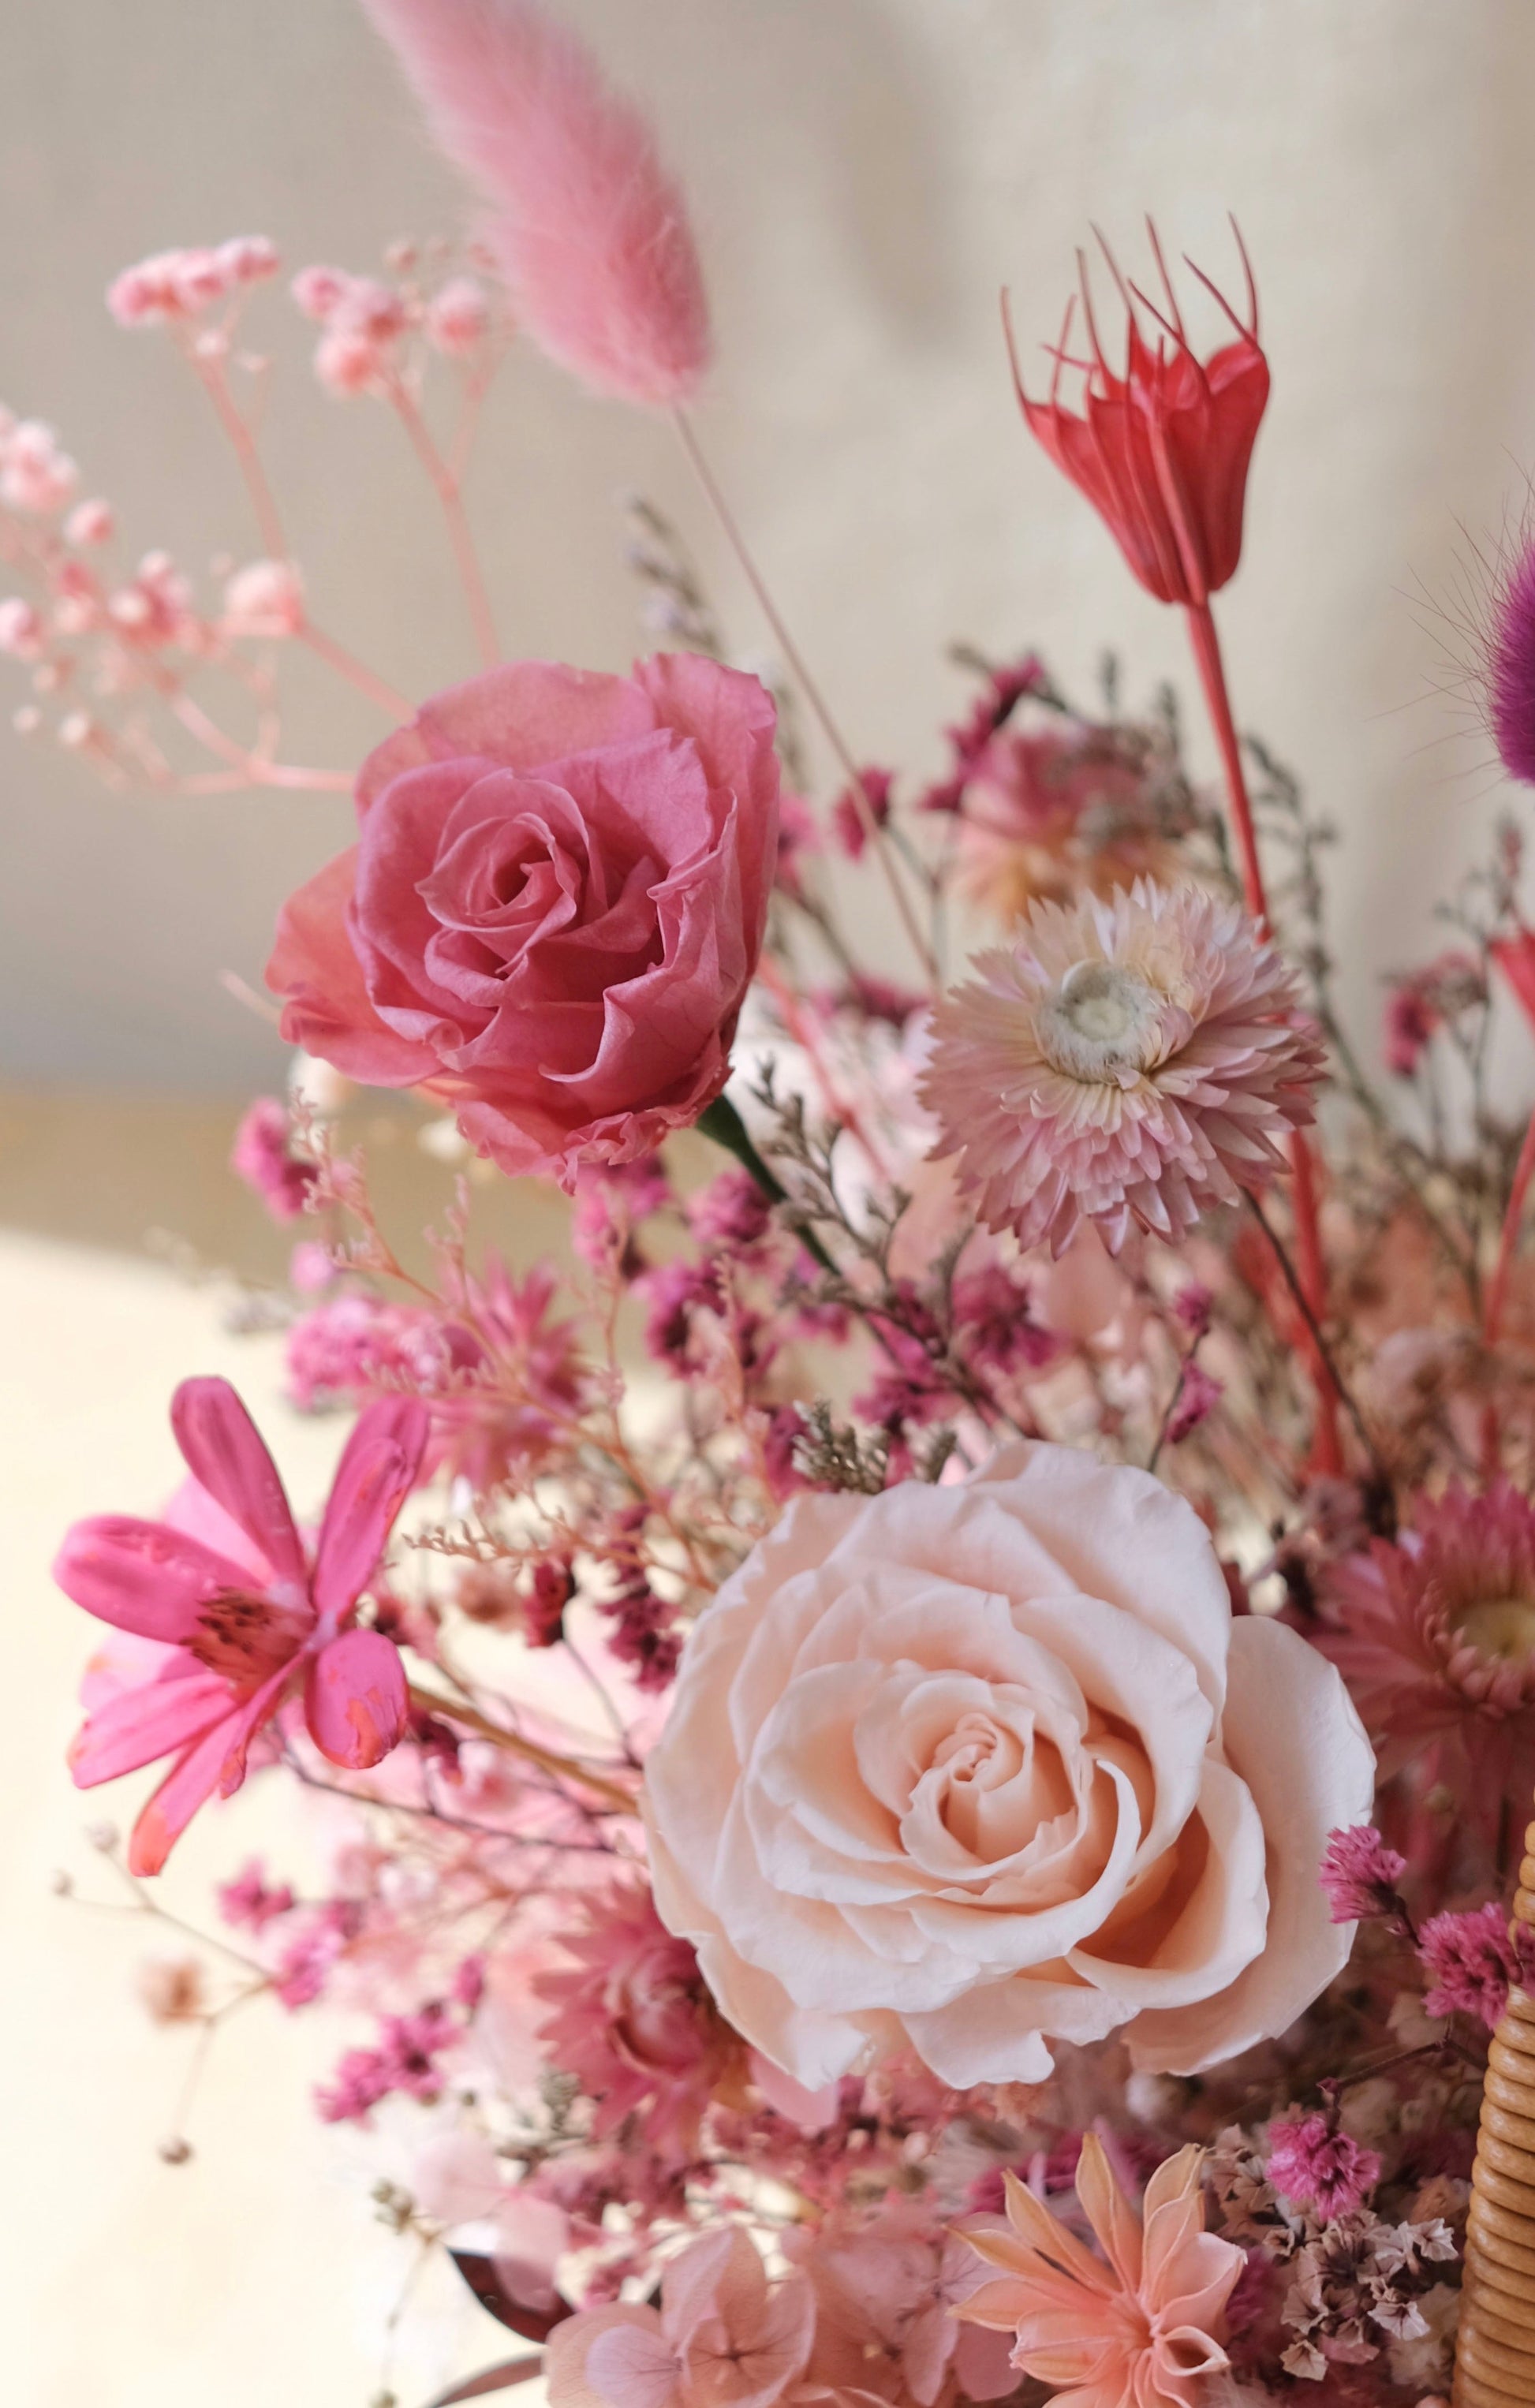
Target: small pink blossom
(264, 601)
(1198, 1397)
(248, 259)
(347, 364)
(264, 1157)
(90, 522)
(1314, 2163)
(23, 633)
(249, 1903)
(406, 2060)
(458, 317)
(1473, 1960)
(1360, 1873)
(36, 476)
(250, 1623)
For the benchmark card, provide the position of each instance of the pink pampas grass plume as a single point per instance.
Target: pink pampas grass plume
(589, 230)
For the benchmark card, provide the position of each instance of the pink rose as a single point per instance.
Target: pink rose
(957, 1770)
(554, 910)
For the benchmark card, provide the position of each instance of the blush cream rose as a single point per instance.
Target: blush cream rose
(961, 1771)
(554, 908)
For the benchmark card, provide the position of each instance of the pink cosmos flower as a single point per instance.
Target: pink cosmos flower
(554, 908)
(247, 1625)
(1435, 1635)
(1138, 1059)
(634, 2022)
(722, 2337)
(1141, 2331)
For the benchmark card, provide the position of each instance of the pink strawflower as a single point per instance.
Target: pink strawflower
(1143, 2329)
(635, 2023)
(1134, 1060)
(1474, 1960)
(1314, 2163)
(722, 2337)
(1435, 1635)
(587, 228)
(264, 1157)
(249, 1624)
(249, 1903)
(1360, 1873)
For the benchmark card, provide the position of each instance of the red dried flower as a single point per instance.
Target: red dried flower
(1162, 451)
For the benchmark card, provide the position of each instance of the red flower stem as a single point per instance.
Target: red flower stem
(794, 660)
(1312, 1264)
(1492, 1318)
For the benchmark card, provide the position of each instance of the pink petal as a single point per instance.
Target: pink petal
(355, 1701)
(314, 968)
(224, 1453)
(215, 1761)
(139, 1724)
(375, 1476)
(143, 1576)
(632, 2368)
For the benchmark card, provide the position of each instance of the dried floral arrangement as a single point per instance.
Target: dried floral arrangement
(923, 1760)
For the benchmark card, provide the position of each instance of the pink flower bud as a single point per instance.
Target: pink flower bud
(248, 259)
(264, 601)
(369, 307)
(36, 476)
(90, 522)
(457, 316)
(197, 280)
(21, 630)
(318, 290)
(347, 364)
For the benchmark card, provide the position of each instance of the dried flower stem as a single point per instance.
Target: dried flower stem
(1524, 1170)
(388, 697)
(1207, 655)
(873, 833)
(446, 486)
(567, 1767)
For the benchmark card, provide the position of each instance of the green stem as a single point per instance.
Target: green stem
(722, 1122)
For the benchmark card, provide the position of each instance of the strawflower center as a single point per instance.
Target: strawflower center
(1101, 1023)
(1503, 1626)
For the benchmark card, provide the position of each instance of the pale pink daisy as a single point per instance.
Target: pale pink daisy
(1138, 1058)
(1139, 2328)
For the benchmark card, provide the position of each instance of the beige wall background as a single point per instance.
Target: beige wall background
(865, 174)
